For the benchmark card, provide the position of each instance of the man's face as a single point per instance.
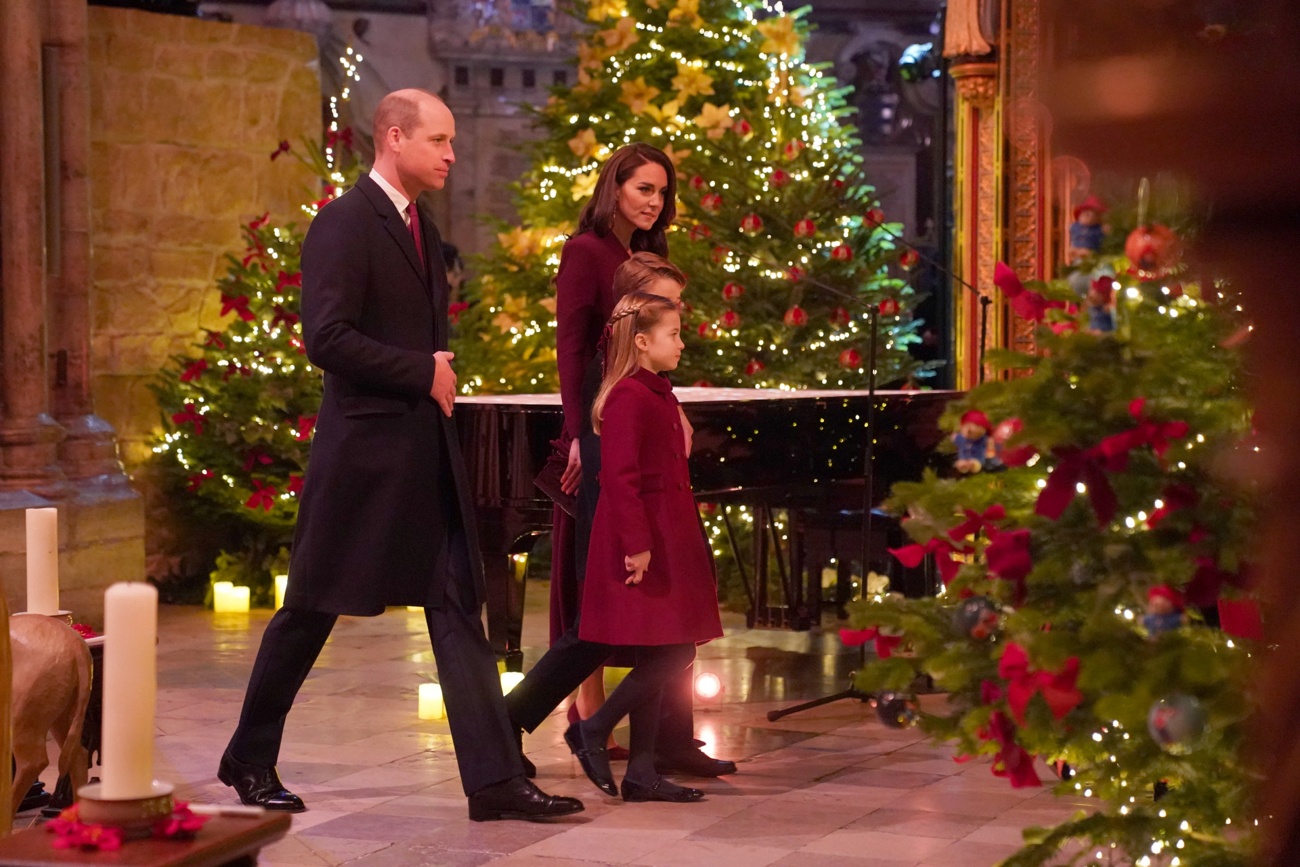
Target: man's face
(425, 156)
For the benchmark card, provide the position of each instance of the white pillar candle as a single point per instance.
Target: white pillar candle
(130, 690)
(229, 599)
(281, 584)
(43, 561)
(431, 706)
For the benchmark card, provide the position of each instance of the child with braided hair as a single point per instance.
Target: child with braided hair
(649, 583)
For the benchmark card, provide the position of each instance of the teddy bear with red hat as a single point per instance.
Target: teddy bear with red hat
(974, 445)
(1087, 230)
(1164, 610)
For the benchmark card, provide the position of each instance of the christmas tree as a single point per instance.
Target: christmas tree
(1080, 567)
(238, 414)
(777, 229)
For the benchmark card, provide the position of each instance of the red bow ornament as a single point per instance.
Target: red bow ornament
(189, 414)
(1026, 303)
(263, 497)
(1057, 688)
(237, 304)
(976, 521)
(911, 556)
(1008, 557)
(885, 644)
(1076, 465)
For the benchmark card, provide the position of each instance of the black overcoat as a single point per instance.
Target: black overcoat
(386, 478)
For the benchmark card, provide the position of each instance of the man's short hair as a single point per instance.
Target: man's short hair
(400, 109)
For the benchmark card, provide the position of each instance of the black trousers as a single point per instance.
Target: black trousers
(570, 660)
(480, 727)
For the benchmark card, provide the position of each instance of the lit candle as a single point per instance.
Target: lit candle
(281, 584)
(130, 690)
(431, 706)
(509, 680)
(229, 599)
(43, 561)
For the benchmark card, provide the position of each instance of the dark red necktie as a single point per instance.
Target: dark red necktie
(414, 214)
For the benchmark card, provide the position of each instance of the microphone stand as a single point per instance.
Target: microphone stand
(868, 470)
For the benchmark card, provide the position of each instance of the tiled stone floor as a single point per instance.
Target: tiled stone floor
(827, 787)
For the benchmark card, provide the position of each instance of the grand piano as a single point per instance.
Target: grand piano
(798, 452)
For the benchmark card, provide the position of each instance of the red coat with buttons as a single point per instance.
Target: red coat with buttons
(646, 504)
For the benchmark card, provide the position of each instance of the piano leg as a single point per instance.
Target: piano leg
(505, 573)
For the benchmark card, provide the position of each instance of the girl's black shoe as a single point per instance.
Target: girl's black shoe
(595, 762)
(659, 790)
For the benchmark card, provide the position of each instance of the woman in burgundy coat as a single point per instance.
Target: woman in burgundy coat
(649, 582)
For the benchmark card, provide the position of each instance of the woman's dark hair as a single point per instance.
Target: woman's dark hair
(598, 214)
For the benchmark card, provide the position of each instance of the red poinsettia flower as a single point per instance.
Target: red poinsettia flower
(295, 484)
(194, 482)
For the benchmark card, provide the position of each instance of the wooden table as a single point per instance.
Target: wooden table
(223, 842)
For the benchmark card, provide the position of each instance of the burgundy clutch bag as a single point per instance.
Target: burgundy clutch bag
(548, 482)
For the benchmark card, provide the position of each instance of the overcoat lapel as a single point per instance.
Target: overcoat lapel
(394, 223)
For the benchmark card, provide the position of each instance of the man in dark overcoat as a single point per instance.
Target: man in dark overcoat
(386, 516)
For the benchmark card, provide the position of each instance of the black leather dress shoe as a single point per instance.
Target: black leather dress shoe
(517, 798)
(530, 770)
(693, 762)
(595, 762)
(258, 787)
(659, 790)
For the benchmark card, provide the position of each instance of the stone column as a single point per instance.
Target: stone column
(29, 437)
(90, 449)
(976, 208)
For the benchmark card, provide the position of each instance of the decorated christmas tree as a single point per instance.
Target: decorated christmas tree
(1086, 553)
(238, 413)
(777, 230)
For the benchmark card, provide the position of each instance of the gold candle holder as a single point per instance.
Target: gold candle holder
(135, 816)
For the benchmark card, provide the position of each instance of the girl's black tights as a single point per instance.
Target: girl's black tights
(638, 697)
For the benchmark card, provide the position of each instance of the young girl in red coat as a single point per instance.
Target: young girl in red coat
(649, 581)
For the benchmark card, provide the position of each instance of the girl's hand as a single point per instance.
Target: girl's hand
(571, 478)
(636, 564)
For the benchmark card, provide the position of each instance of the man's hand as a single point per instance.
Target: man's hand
(444, 381)
(636, 564)
(688, 432)
(571, 478)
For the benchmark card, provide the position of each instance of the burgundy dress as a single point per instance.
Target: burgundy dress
(584, 301)
(646, 504)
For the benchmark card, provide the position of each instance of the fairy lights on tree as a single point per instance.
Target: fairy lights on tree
(238, 414)
(1058, 633)
(778, 230)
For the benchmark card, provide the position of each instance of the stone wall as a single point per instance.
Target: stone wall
(184, 116)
